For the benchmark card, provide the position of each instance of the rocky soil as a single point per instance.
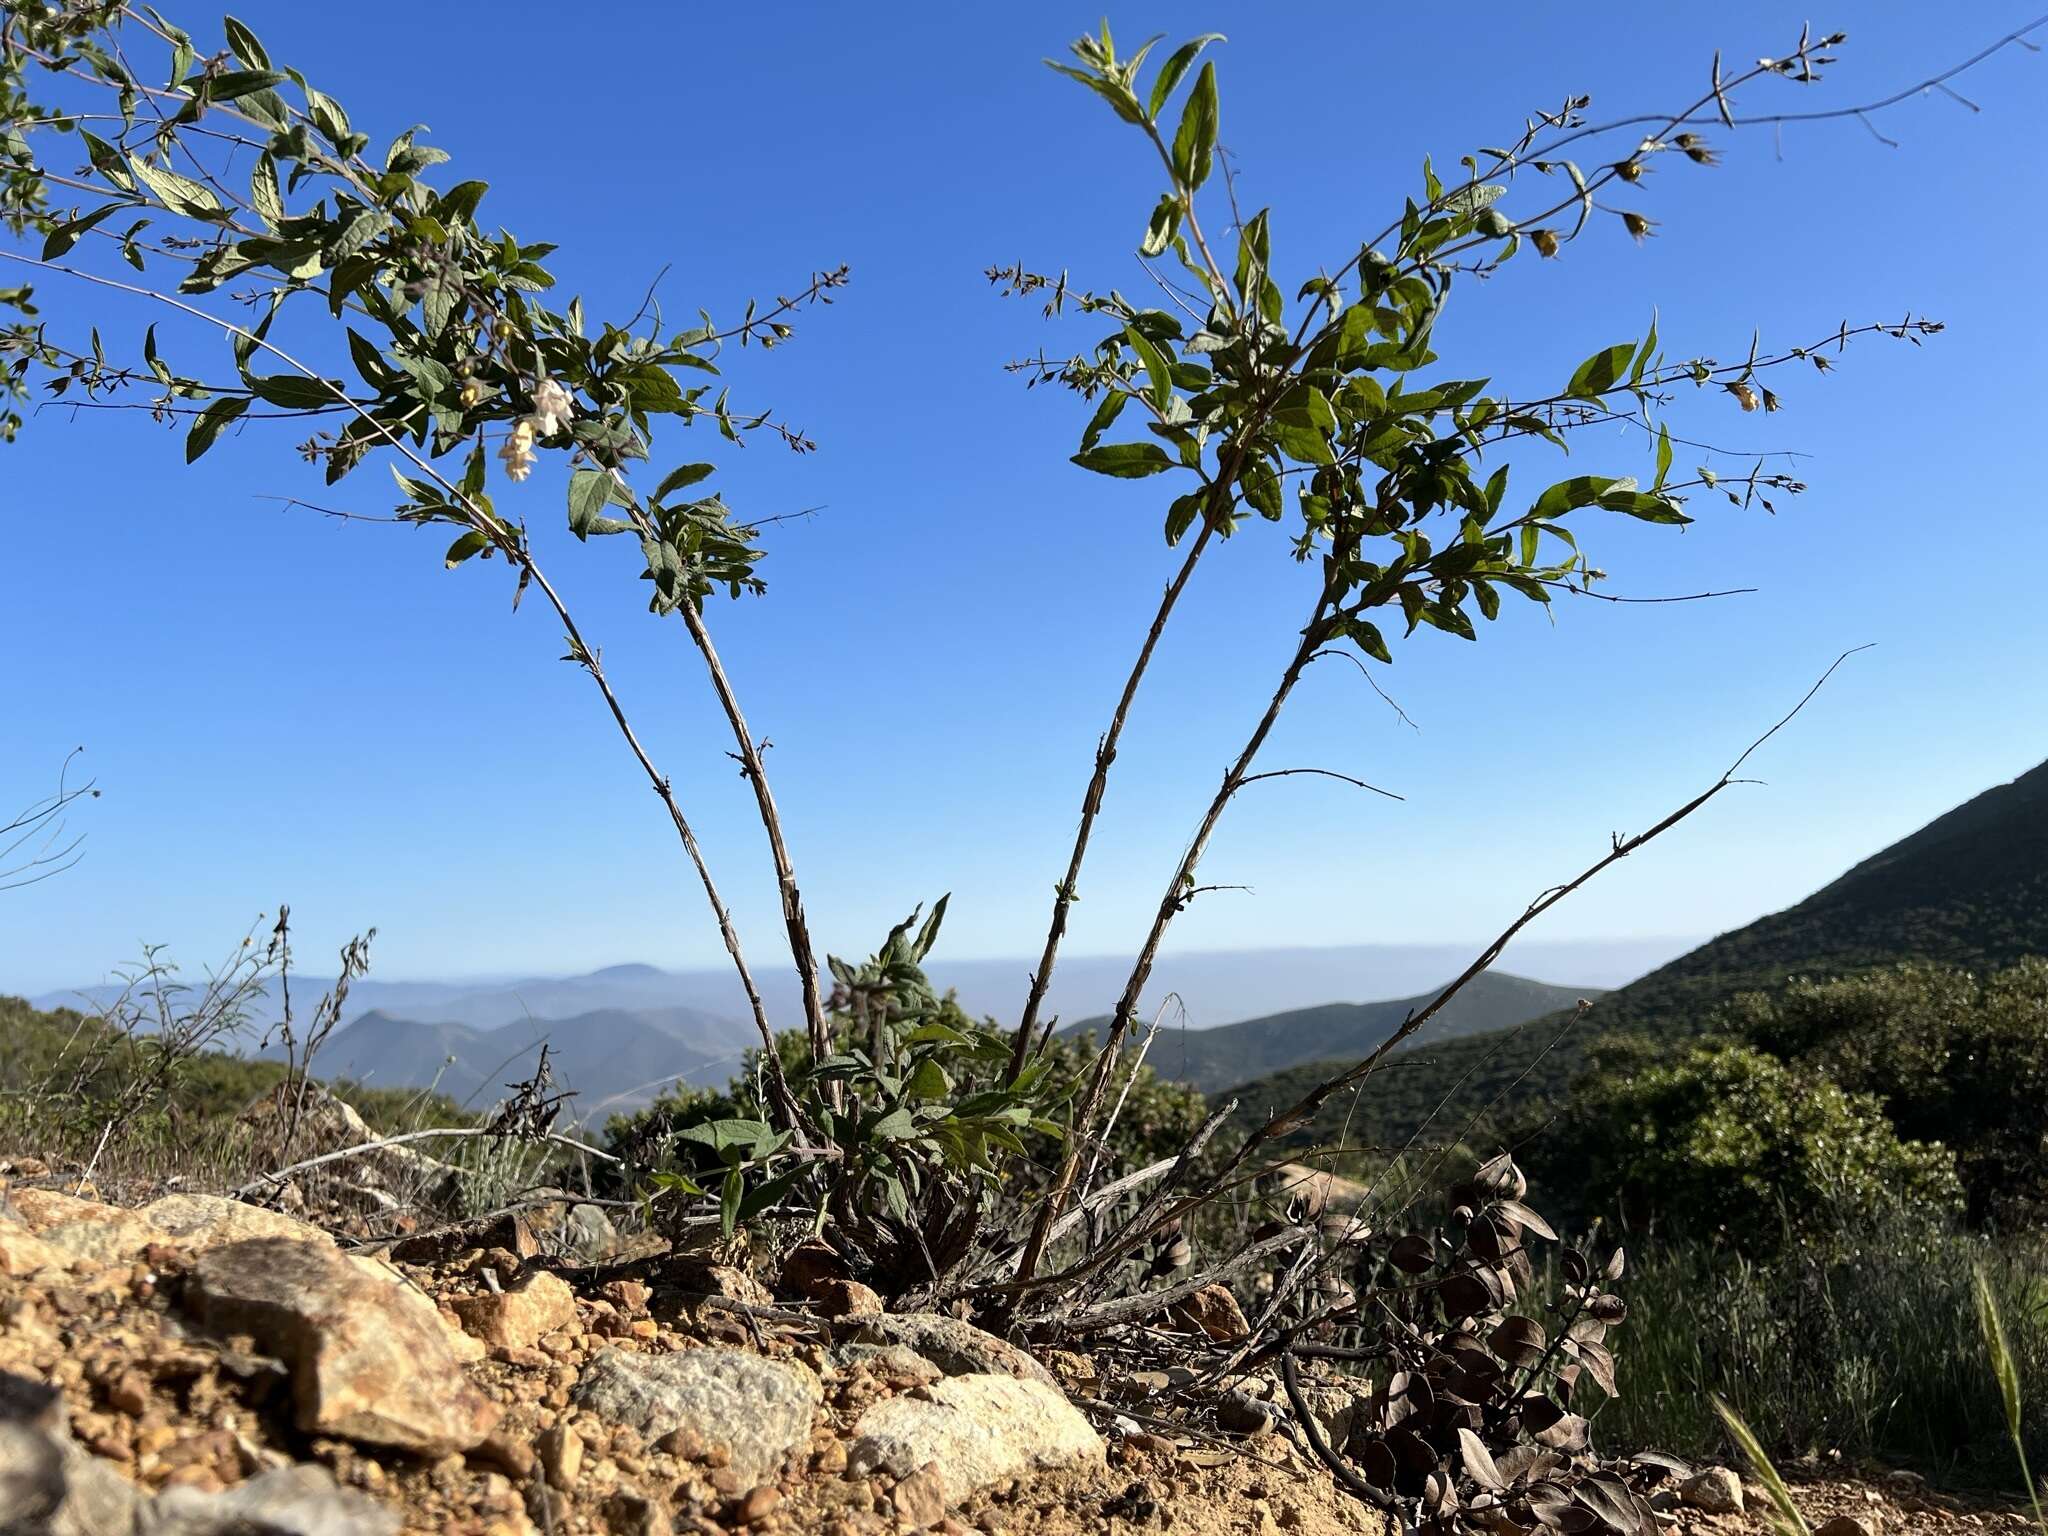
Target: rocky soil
(196, 1366)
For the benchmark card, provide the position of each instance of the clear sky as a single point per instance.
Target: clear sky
(280, 707)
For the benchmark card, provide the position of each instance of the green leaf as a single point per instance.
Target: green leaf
(207, 427)
(928, 1080)
(471, 543)
(898, 1124)
(681, 476)
(1174, 68)
(590, 492)
(296, 393)
(1663, 456)
(1194, 144)
(65, 236)
(729, 1201)
(237, 83)
(1157, 372)
(1599, 373)
(1126, 461)
(264, 195)
(178, 193)
(1642, 504)
(460, 201)
(1644, 354)
(1105, 416)
(1161, 228)
(1567, 495)
(244, 45)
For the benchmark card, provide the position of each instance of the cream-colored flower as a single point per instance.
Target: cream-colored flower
(553, 408)
(517, 454)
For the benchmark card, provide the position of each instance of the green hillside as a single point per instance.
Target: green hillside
(1210, 1059)
(1969, 889)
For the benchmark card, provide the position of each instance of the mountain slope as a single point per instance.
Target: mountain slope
(1968, 889)
(1233, 1053)
(615, 1059)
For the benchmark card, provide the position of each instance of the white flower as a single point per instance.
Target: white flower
(553, 408)
(517, 454)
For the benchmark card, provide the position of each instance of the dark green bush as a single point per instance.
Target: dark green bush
(1728, 1143)
(1951, 1058)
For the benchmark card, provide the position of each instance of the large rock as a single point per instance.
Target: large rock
(370, 1358)
(85, 1229)
(23, 1253)
(207, 1221)
(957, 1348)
(288, 1501)
(978, 1430)
(761, 1409)
(49, 1485)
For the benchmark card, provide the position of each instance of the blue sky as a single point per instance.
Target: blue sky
(282, 707)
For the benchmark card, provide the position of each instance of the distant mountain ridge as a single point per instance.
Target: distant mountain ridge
(1213, 1059)
(614, 1059)
(1969, 889)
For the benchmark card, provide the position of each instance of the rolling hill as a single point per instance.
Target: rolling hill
(1233, 1053)
(1968, 889)
(615, 1059)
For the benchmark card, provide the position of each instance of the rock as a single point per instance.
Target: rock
(957, 1348)
(1845, 1525)
(807, 1266)
(561, 1455)
(1212, 1312)
(510, 1231)
(845, 1298)
(760, 1504)
(85, 1229)
(32, 1481)
(1715, 1491)
(573, 1231)
(287, 1501)
(979, 1430)
(23, 1253)
(206, 1221)
(920, 1499)
(1240, 1414)
(761, 1409)
(521, 1317)
(49, 1485)
(369, 1357)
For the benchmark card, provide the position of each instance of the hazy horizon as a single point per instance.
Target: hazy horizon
(1214, 987)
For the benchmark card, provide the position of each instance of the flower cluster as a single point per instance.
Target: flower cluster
(553, 409)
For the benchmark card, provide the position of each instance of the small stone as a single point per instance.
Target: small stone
(1845, 1525)
(129, 1394)
(502, 1450)
(845, 1298)
(1212, 1312)
(760, 1504)
(1715, 1491)
(521, 1317)
(561, 1455)
(919, 1500)
(1239, 1414)
(630, 1295)
(829, 1460)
